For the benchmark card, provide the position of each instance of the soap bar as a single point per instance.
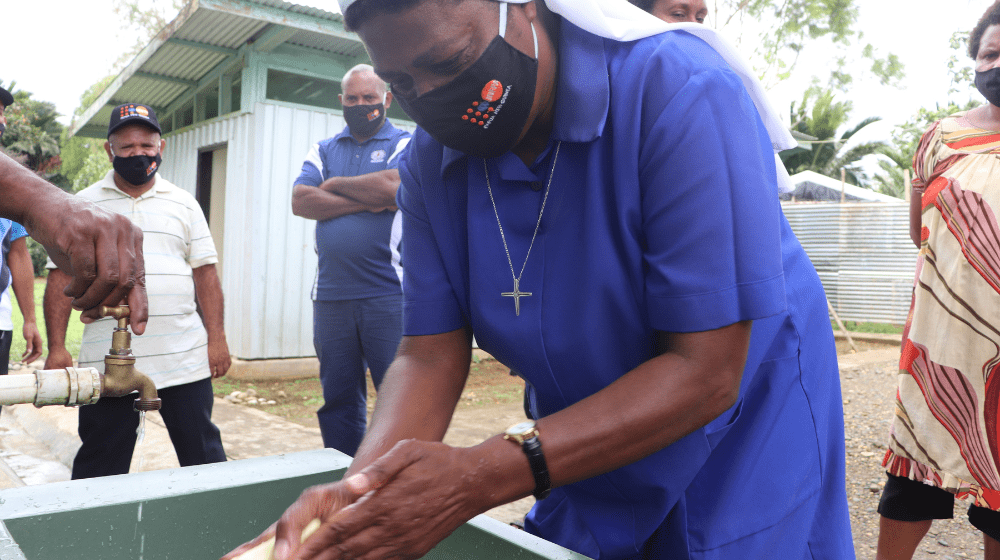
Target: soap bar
(265, 550)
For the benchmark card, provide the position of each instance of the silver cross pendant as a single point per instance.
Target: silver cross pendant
(517, 294)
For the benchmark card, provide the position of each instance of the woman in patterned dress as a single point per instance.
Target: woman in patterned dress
(944, 441)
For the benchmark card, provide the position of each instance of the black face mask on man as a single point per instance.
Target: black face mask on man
(988, 84)
(365, 120)
(136, 170)
(3, 127)
(502, 81)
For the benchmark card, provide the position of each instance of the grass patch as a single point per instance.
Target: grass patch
(74, 332)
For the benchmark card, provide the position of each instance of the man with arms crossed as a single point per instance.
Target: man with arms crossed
(348, 184)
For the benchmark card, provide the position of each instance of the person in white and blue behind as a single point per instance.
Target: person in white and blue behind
(348, 185)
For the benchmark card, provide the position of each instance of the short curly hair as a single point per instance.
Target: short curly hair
(990, 18)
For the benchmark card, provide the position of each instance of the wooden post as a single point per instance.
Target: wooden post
(906, 184)
(843, 181)
(840, 324)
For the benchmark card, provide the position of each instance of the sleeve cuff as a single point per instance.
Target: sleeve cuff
(431, 317)
(714, 310)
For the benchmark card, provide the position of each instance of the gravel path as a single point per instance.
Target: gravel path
(869, 393)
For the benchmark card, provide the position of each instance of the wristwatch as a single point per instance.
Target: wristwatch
(526, 434)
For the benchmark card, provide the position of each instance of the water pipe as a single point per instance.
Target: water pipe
(70, 387)
(78, 386)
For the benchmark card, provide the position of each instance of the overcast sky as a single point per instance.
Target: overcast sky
(57, 49)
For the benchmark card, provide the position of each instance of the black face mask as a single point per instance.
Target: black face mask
(137, 170)
(482, 111)
(3, 127)
(988, 84)
(364, 120)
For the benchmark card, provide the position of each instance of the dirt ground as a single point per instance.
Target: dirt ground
(490, 387)
(491, 401)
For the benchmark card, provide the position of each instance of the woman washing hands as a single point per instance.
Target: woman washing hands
(591, 194)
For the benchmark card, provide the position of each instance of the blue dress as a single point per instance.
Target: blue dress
(663, 215)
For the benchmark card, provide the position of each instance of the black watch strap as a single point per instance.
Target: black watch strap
(533, 449)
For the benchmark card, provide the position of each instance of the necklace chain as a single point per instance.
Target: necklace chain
(517, 293)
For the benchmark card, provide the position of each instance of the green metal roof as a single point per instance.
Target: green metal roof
(211, 34)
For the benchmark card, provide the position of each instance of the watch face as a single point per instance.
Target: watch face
(521, 428)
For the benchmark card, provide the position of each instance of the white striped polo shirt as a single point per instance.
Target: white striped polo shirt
(176, 239)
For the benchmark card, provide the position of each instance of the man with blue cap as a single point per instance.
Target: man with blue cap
(591, 193)
(184, 349)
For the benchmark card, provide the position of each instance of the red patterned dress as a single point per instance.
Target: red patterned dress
(944, 431)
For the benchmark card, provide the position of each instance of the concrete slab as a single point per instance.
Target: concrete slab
(52, 426)
(23, 459)
(273, 370)
(246, 433)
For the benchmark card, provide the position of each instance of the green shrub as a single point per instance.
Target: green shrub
(38, 257)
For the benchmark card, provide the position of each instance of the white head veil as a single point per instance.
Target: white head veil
(620, 20)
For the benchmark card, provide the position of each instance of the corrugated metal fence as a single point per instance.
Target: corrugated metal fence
(863, 254)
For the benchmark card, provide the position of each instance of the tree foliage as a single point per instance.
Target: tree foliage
(821, 116)
(959, 65)
(94, 168)
(84, 160)
(898, 153)
(147, 17)
(776, 32)
(32, 135)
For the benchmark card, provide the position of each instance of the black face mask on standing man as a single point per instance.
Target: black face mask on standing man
(503, 82)
(365, 120)
(137, 170)
(988, 84)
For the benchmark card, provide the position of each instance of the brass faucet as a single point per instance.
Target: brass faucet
(120, 375)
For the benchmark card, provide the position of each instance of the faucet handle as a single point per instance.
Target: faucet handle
(120, 312)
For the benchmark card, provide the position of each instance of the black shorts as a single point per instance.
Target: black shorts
(5, 339)
(908, 500)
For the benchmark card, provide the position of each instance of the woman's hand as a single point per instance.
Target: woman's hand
(400, 506)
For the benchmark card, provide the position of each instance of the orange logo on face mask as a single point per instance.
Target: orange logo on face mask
(492, 91)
